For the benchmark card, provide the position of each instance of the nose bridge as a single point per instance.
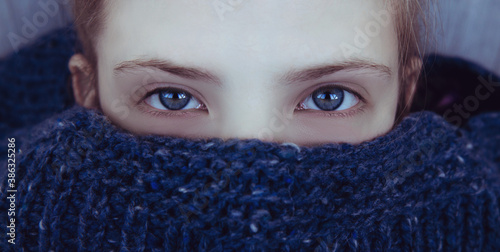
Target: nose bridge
(247, 113)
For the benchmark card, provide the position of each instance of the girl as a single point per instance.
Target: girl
(127, 171)
(307, 72)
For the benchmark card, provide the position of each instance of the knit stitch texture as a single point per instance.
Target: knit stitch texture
(83, 184)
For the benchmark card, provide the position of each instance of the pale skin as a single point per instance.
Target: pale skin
(244, 66)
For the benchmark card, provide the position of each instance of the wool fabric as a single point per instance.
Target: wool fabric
(84, 184)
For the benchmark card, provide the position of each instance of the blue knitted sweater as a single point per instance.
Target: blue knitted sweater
(83, 184)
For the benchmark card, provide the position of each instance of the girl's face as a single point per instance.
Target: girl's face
(301, 71)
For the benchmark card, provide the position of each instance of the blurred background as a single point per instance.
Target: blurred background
(469, 29)
(27, 20)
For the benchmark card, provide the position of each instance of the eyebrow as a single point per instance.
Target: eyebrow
(308, 74)
(314, 73)
(169, 67)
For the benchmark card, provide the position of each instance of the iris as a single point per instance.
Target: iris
(328, 98)
(174, 99)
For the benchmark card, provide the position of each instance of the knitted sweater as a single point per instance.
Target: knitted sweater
(83, 184)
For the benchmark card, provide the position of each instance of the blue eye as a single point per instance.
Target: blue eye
(330, 99)
(172, 99)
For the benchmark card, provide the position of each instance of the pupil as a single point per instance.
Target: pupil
(174, 99)
(328, 98)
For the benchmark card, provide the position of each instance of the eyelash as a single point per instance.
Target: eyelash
(143, 106)
(146, 108)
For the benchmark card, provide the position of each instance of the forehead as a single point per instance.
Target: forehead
(260, 32)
